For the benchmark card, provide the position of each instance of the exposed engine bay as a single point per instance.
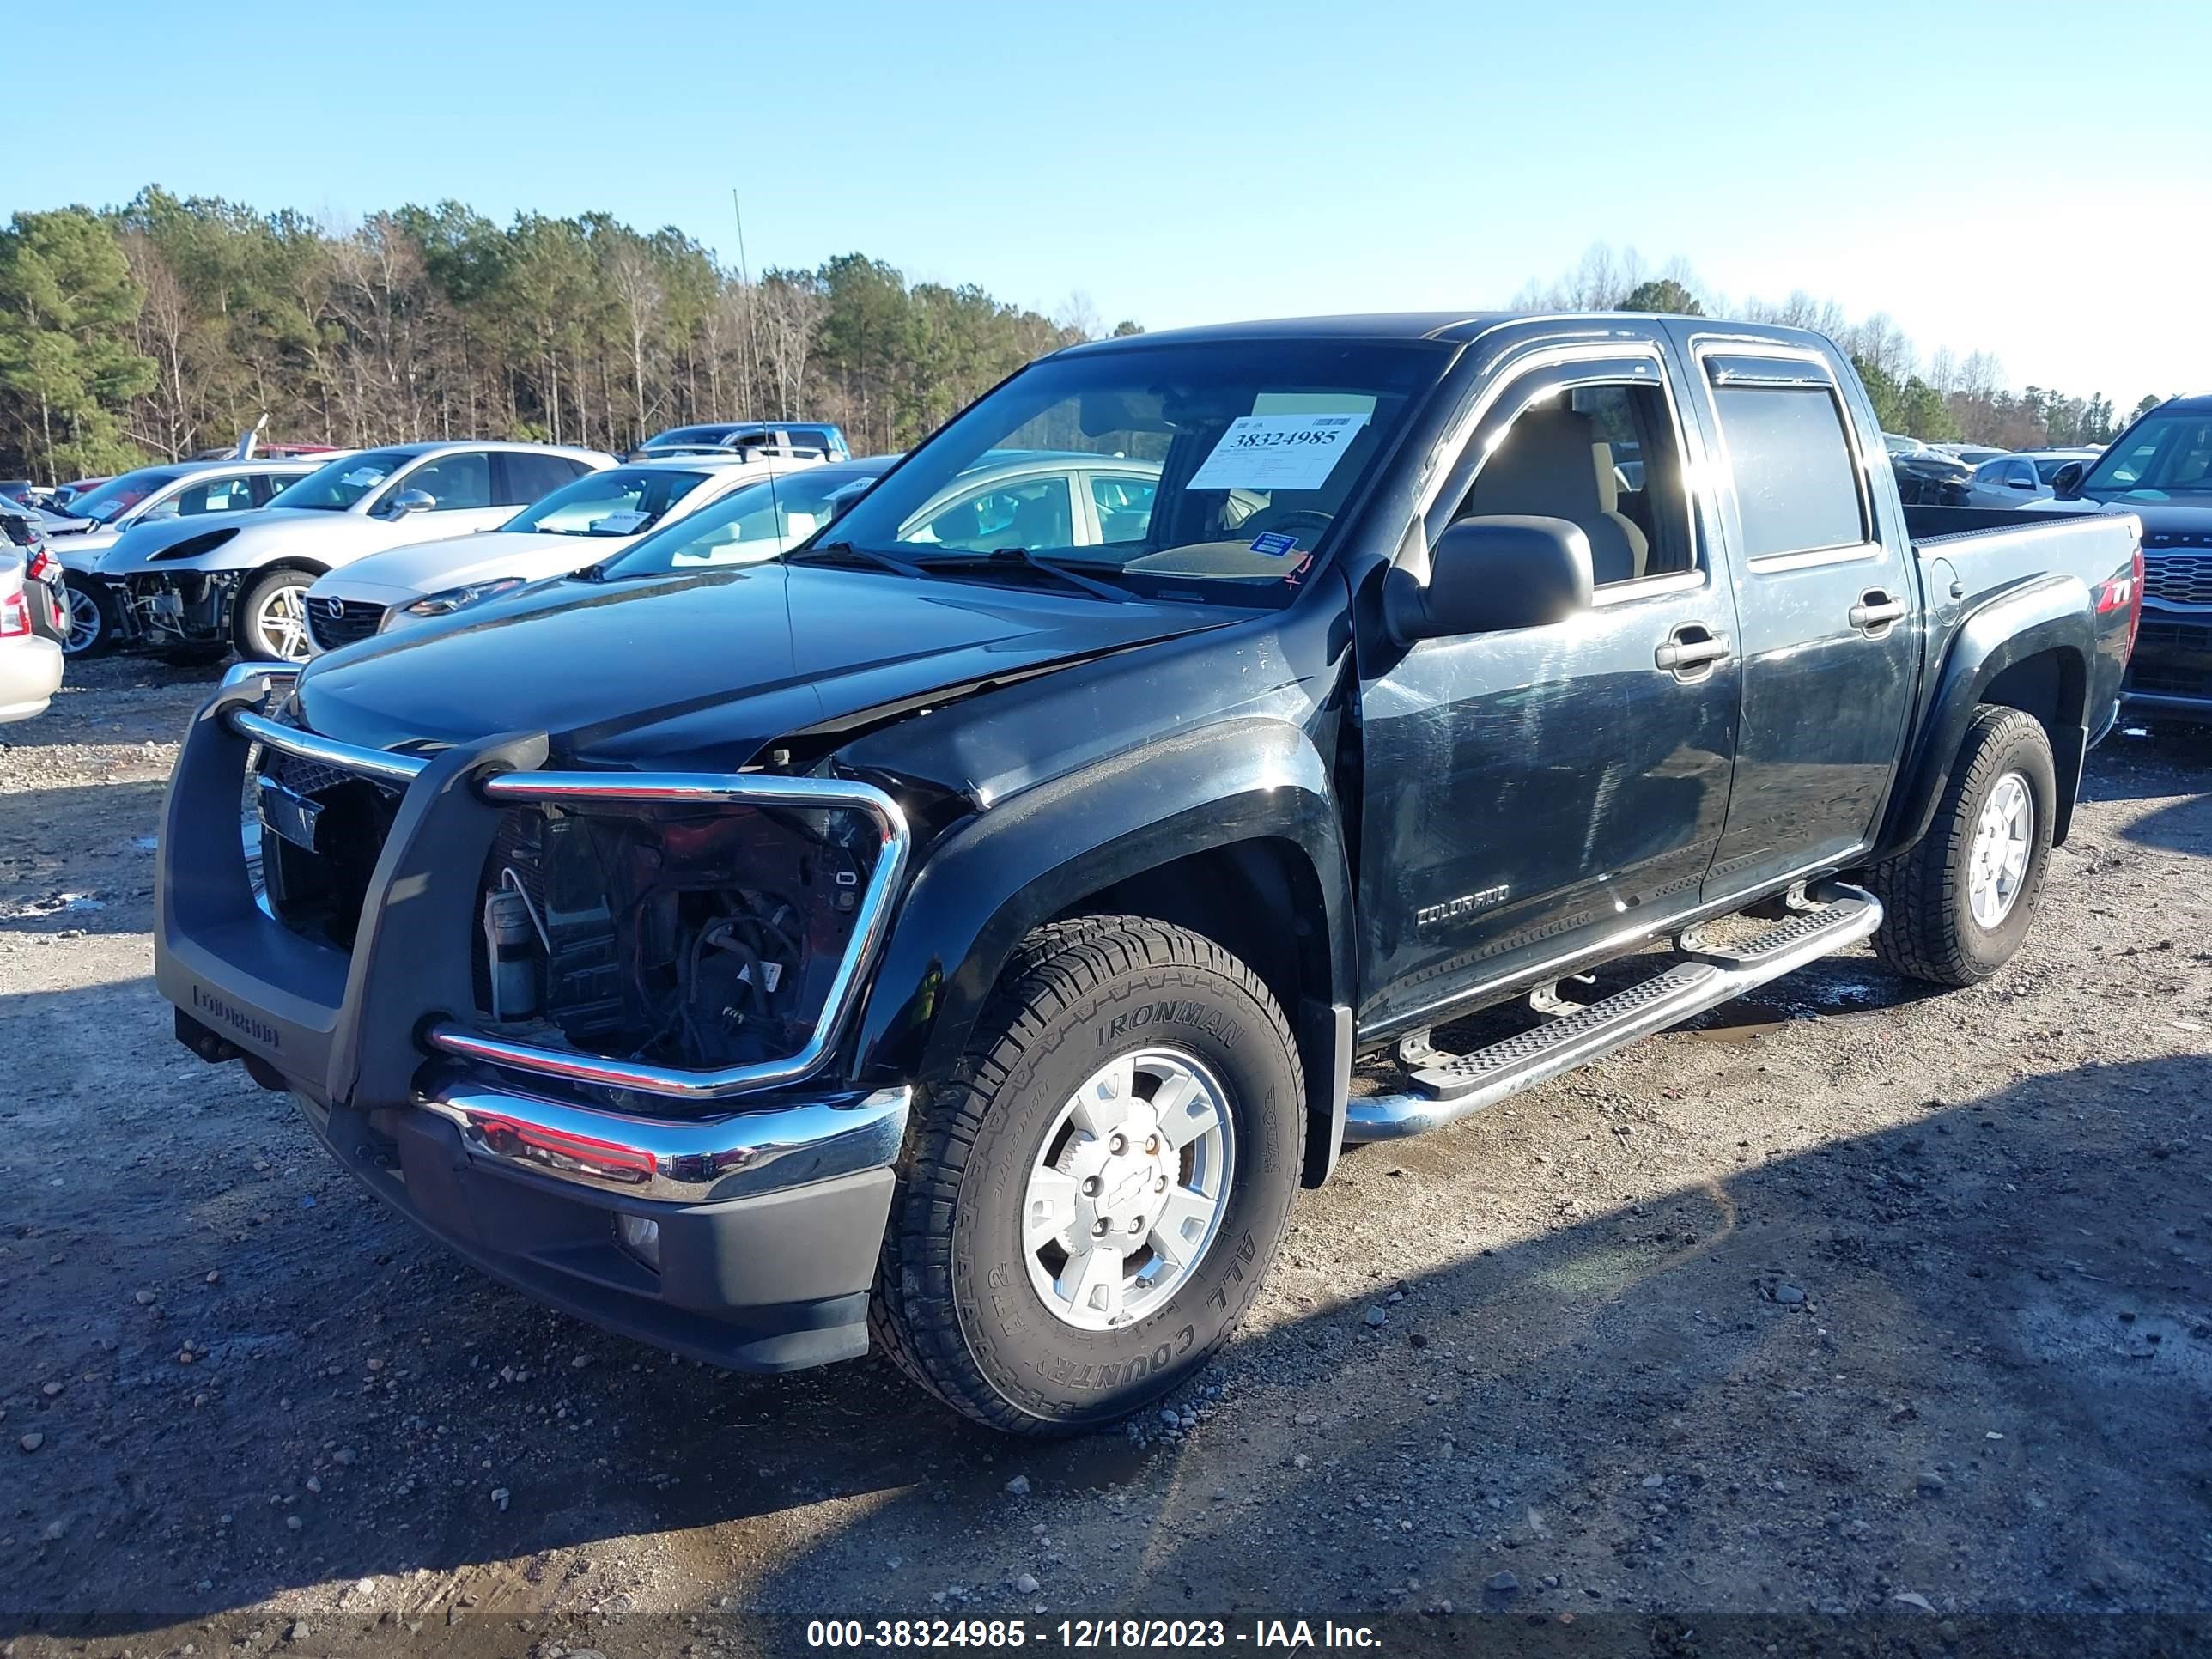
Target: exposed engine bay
(685, 935)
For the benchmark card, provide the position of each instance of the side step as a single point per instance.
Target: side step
(1457, 1086)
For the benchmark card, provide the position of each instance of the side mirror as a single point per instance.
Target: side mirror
(410, 501)
(2066, 483)
(1491, 574)
(2019, 484)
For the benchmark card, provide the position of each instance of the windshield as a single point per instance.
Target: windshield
(1189, 471)
(2162, 454)
(334, 488)
(118, 496)
(747, 526)
(626, 501)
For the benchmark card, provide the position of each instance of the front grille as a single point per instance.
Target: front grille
(335, 622)
(2178, 578)
(319, 891)
(2172, 659)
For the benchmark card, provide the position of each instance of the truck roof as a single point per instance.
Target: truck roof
(1453, 325)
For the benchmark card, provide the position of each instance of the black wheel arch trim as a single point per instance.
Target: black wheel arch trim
(2051, 616)
(1034, 856)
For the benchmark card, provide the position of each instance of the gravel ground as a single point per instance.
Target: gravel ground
(1846, 1299)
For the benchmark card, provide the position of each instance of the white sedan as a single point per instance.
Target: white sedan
(195, 592)
(30, 663)
(2016, 480)
(584, 523)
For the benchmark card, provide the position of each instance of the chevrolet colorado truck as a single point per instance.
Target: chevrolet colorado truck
(960, 936)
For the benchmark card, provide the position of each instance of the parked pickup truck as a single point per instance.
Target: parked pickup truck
(965, 943)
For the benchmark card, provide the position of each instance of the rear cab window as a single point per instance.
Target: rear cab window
(1786, 436)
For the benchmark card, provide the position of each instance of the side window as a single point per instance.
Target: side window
(457, 482)
(1124, 506)
(267, 486)
(1035, 514)
(215, 495)
(1795, 487)
(527, 478)
(1990, 472)
(1603, 457)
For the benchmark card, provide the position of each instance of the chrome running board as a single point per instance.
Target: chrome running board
(1456, 1086)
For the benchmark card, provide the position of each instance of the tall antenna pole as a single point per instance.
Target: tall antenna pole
(752, 299)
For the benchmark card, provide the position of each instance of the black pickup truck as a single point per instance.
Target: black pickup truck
(962, 931)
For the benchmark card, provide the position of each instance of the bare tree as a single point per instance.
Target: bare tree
(165, 322)
(638, 289)
(789, 321)
(1079, 317)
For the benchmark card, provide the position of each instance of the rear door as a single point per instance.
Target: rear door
(1534, 794)
(1827, 608)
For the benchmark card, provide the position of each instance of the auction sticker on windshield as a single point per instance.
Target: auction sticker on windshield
(1277, 452)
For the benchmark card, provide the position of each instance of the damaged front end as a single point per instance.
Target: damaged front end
(683, 936)
(694, 936)
(172, 608)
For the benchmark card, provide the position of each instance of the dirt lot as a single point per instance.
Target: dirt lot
(1847, 1294)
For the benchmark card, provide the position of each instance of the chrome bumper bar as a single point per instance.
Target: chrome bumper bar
(870, 916)
(691, 1160)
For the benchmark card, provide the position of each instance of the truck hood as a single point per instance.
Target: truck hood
(704, 671)
(253, 539)
(2174, 518)
(409, 573)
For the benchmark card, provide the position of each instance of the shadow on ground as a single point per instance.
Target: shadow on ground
(1973, 1350)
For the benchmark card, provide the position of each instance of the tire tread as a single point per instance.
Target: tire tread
(1055, 967)
(1919, 889)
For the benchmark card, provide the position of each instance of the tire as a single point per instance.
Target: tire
(255, 626)
(959, 1303)
(1930, 930)
(95, 623)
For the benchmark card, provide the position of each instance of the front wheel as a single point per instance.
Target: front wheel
(1958, 904)
(1088, 1206)
(95, 621)
(271, 622)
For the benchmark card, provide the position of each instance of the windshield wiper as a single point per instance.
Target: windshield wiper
(848, 550)
(1022, 556)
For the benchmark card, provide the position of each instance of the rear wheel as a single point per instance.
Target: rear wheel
(95, 622)
(1088, 1205)
(271, 621)
(1957, 905)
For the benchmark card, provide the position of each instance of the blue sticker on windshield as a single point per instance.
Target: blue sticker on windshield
(1275, 544)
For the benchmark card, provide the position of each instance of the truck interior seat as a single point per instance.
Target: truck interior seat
(1552, 463)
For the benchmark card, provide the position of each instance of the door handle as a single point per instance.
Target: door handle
(1691, 651)
(1875, 610)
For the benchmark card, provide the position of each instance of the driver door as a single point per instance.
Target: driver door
(1533, 794)
(460, 483)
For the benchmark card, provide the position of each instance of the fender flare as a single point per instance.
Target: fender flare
(1033, 855)
(2051, 614)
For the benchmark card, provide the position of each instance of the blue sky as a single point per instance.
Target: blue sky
(2025, 179)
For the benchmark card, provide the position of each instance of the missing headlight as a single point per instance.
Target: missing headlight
(684, 935)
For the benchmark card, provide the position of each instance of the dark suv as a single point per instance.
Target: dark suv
(2161, 471)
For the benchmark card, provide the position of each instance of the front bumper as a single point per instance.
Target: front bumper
(769, 1193)
(765, 1224)
(2171, 671)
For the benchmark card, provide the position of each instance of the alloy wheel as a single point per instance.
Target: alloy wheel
(1127, 1188)
(2004, 840)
